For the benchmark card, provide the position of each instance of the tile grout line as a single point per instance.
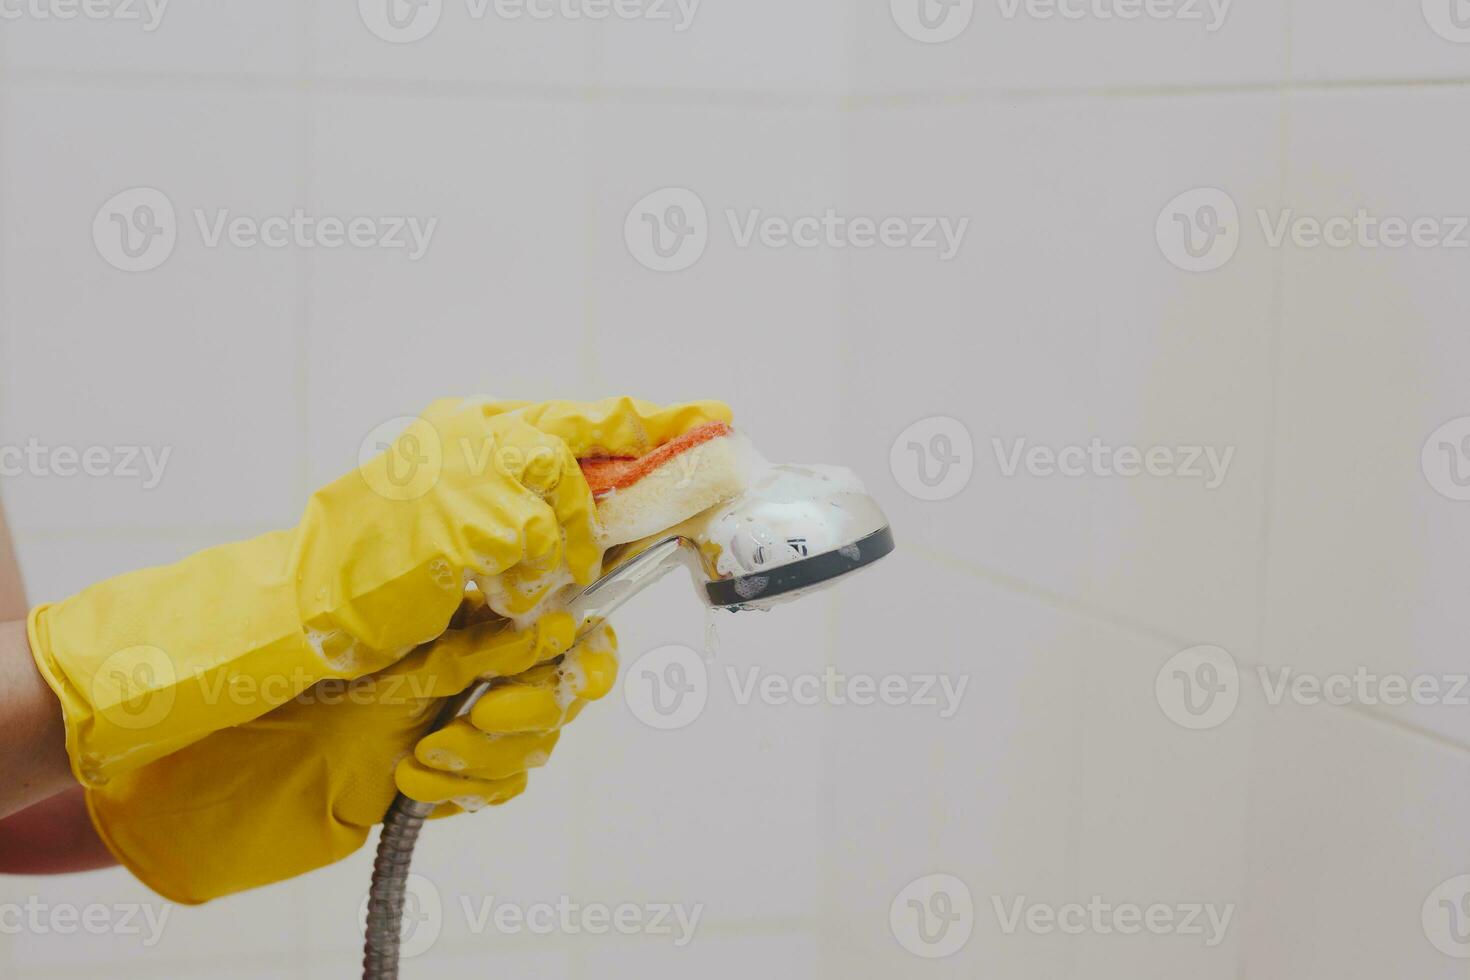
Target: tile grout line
(1075, 607)
(305, 278)
(1083, 92)
(306, 265)
(657, 94)
(1056, 600)
(589, 374)
(1272, 436)
(827, 898)
(411, 86)
(1398, 726)
(1273, 367)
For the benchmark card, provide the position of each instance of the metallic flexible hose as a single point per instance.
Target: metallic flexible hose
(390, 878)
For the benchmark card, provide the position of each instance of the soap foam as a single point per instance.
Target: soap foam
(804, 489)
(444, 759)
(559, 585)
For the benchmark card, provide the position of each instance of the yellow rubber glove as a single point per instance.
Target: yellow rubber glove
(376, 567)
(302, 786)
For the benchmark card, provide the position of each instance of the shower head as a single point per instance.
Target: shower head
(795, 529)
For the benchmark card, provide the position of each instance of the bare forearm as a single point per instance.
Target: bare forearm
(12, 590)
(33, 763)
(54, 836)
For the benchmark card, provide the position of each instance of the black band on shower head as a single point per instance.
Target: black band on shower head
(804, 573)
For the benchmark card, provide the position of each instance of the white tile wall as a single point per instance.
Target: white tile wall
(753, 46)
(459, 41)
(1352, 825)
(169, 936)
(487, 307)
(1056, 601)
(197, 357)
(1060, 321)
(757, 327)
(1162, 816)
(1364, 552)
(988, 794)
(1401, 41)
(722, 958)
(261, 39)
(713, 782)
(1069, 44)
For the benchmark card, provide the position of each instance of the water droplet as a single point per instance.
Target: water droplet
(711, 635)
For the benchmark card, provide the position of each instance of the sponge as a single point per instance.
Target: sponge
(637, 497)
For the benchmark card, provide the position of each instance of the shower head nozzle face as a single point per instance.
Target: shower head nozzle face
(761, 590)
(796, 529)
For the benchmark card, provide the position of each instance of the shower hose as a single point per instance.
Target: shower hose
(390, 879)
(383, 932)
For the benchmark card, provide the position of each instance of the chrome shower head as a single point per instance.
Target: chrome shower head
(795, 530)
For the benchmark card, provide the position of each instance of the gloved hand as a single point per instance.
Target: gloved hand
(302, 786)
(376, 568)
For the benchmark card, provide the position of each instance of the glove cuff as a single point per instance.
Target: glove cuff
(152, 661)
